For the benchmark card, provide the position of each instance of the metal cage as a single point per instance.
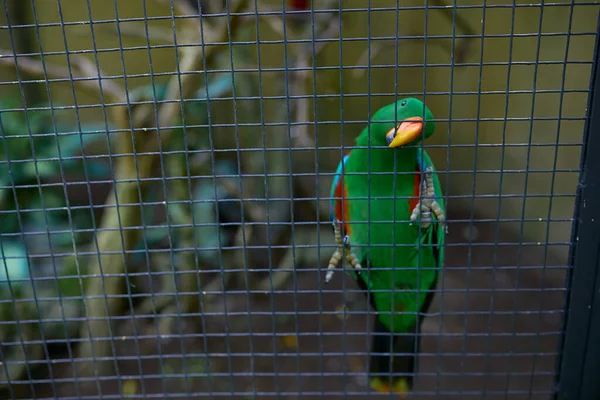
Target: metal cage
(166, 172)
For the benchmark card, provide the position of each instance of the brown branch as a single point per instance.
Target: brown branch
(191, 61)
(183, 7)
(82, 70)
(101, 298)
(136, 169)
(138, 30)
(299, 82)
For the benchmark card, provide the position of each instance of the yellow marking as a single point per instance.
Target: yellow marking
(401, 387)
(130, 387)
(290, 341)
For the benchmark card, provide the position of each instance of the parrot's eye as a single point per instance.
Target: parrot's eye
(403, 103)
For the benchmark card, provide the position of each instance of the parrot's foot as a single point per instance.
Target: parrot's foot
(343, 251)
(428, 205)
(401, 387)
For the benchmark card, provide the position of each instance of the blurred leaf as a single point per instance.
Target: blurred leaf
(34, 121)
(168, 369)
(72, 144)
(51, 213)
(10, 219)
(208, 234)
(198, 365)
(179, 214)
(18, 148)
(69, 147)
(290, 341)
(38, 144)
(18, 123)
(13, 122)
(14, 265)
(247, 86)
(282, 319)
(154, 235)
(216, 88)
(130, 387)
(5, 187)
(70, 287)
(42, 169)
(197, 110)
(146, 92)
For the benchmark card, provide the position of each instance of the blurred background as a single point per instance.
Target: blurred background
(186, 260)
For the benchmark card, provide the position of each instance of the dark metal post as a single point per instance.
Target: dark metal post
(578, 375)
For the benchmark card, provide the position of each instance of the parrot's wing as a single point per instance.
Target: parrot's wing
(338, 208)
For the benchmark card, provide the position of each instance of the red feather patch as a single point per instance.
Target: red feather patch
(412, 203)
(301, 4)
(341, 206)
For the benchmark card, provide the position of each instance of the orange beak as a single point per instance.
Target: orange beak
(406, 132)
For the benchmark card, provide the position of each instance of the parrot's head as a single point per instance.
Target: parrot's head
(414, 122)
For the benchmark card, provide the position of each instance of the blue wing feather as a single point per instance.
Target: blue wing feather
(336, 180)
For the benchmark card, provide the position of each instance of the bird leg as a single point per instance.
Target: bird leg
(428, 204)
(342, 251)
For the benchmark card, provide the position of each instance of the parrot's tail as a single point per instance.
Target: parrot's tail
(399, 366)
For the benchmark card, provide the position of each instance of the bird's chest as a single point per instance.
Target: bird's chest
(382, 236)
(382, 199)
(380, 209)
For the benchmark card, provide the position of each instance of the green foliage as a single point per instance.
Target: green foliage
(182, 141)
(36, 151)
(13, 264)
(34, 146)
(38, 154)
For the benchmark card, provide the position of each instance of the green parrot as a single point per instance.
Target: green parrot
(388, 182)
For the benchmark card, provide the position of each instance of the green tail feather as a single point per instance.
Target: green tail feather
(393, 360)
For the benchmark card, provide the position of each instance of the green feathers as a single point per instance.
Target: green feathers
(382, 186)
(387, 199)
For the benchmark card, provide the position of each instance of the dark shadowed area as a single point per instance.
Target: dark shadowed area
(476, 342)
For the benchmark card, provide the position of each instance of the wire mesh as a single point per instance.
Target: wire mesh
(165, 184)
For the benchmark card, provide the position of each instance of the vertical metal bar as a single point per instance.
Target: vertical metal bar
(579, 365)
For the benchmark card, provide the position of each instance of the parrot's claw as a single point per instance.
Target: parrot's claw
(428, 205)
(333, 262)
(343, 251)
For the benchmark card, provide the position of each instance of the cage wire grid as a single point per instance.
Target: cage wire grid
(165, 190)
